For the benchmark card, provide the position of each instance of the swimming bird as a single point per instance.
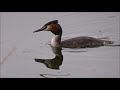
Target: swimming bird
(77, 42)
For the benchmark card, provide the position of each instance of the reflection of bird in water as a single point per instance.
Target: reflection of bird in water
(55, 62)
(77, 42)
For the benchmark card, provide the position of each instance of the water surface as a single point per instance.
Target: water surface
(25, 54)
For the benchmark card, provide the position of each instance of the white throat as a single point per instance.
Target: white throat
(56, 41)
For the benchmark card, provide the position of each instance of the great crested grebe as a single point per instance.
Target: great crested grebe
(77, 42)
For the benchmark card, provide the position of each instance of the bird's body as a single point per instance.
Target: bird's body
(84, 42)
(77, 42)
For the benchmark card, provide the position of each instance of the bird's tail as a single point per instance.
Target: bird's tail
(108, 42)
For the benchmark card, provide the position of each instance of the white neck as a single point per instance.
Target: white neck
(56, 41)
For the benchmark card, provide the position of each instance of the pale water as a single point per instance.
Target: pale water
(22, 51)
